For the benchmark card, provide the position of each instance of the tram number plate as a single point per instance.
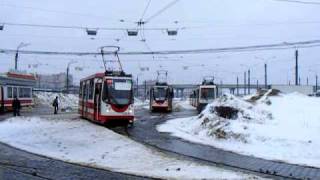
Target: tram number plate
(122, 86)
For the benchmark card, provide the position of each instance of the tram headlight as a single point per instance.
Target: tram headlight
(108, 108)
(131, 109)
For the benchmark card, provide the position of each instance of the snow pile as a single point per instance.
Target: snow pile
(281, 127)
(74, 140)
(67, 102)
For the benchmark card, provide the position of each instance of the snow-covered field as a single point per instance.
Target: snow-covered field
(78, 141)
(67, 102)
(285, 127)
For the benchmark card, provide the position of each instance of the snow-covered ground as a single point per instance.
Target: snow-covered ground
(285, 127)
(78, 141)
(67, 102)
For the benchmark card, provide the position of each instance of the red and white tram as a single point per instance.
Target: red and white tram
(161, 94)
(108, 96)
(17, 85)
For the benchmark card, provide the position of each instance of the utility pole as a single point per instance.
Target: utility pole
(299, 81)
(245, 83)
(137, 86)
(16, 60)
(21, 45)
(145, 90)
(316, 83)
(297, 68)
(257, 84)
(237, 86)
(307, 81)
(249, 81)
(265, 77)
(68, 79)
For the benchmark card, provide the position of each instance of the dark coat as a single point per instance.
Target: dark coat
(16, 104)
(55, 103)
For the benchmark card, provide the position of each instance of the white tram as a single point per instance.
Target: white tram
(205, 94)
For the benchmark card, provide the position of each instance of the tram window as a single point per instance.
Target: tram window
(207, 93)
(24, 92)
(160, 93)
(9, 91)
(15, 92)
(80, 90)
(91, 90)
(117, 91)
(84, 90)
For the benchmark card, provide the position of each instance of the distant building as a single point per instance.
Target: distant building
(57, 82)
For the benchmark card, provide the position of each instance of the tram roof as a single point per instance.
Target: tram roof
(101, 75)
(17, 80)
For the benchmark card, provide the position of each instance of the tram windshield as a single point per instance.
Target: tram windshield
(207, 93)
(118, 91)
(160, 93)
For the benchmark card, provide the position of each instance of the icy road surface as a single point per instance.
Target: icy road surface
(78, 141)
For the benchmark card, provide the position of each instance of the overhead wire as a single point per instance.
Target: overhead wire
(162, 10)
(73, 27)
(262, 47)
(299, 2)
(145, 10)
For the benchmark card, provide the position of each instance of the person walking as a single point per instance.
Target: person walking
(16, 106)
(55, 104)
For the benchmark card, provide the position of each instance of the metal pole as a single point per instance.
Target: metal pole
(137, 86)
(145, 90)
(16, 60)
(257, 84)
(299, 81)
(265, 77)
(237, 86)
(316, 83)
(245, 83)
(307, 81)
(297, 68)
(68, 79)
(249, 81)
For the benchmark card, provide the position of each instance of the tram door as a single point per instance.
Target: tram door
(1, 99)
(85, 100)
(97, 100)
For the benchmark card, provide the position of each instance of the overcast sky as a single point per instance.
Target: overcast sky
(209, 24)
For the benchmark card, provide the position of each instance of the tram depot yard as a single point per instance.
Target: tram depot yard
(246, 131)
(204, 90)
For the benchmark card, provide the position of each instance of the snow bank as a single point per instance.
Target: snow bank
(284, 127)
(78, 141)
(67, 102)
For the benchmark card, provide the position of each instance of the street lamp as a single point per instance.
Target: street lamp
(71, 62)
(21, 45)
